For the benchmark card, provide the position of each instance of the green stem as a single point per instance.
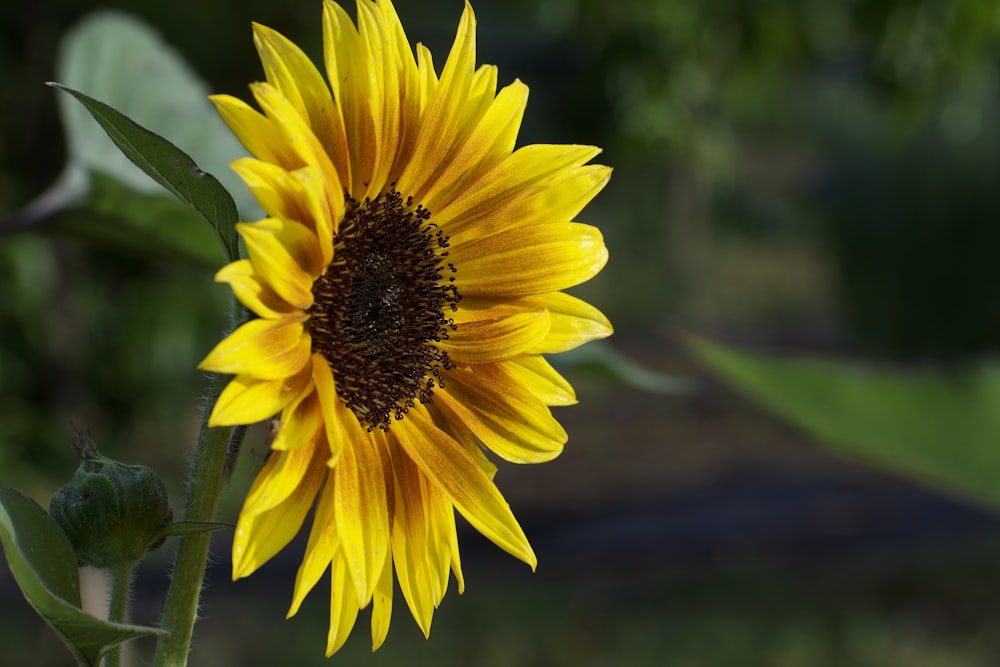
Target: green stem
(205, 486)
(121, 585)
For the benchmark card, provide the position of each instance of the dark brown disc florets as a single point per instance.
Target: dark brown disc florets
(379, 309)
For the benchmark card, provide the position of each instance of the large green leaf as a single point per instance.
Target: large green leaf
(115, 58)
(939, 427)
(44, 566)
(146, 92)
(171, 168)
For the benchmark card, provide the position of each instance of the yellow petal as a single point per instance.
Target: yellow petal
(324, 541)
(246, 400)
(361, 511)
(505, 416)
(409, 535)
(281, 475)
(285, 256)
(296, 132)
(530, 260)
(251, 291)
(440, 516)
(299, 195)
(290, 71)
(301, 420)
(493, 192)
(409, 85)
(491, 141)
(262, 349)
(428, 77)
(449, 466)
(574, 322)
(503, 336)
(330, 407)
(349, 77)
(463, 435)
(444, 117)
(535, 374)
(379, 54)
(260, 536)
(256, 132)
(556, 199)
(382, 605)
(326, 209)
(343, 605)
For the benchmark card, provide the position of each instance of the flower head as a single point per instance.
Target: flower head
(406, 284)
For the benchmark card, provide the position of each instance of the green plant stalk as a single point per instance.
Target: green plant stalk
(121, 587)
(206, 484)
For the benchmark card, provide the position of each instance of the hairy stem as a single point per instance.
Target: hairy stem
(121, 586)
(205, 486)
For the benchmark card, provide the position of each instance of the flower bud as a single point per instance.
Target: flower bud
(112, 513)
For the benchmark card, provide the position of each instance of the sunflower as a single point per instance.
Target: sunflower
(407, 283)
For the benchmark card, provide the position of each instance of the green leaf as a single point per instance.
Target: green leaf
(941, 428)
(116, 58)
(600, 360)
(171, 168)
(44, 566)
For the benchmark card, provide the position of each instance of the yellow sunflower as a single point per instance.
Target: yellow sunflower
(406, 285)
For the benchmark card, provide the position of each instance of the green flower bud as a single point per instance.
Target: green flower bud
(112, 513)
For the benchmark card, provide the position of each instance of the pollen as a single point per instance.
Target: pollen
(382, 306)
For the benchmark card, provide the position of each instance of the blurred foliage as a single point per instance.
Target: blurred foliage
(938, 427)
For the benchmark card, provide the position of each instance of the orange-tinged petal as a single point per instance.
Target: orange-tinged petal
(409, 535)
(530, 260)
(246, 400)
(445, 113)
(503, 336)
(251, 291)
(290, 71)
(262, 349)
(362, 513)
(499, 187)
(454, 470)
(506, 417)
(556, 199)
(491, 141)
(349, 76)
(296, 132)
(408, 78)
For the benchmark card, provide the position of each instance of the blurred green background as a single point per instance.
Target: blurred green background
(813, 177)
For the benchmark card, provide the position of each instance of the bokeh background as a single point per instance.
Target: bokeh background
(813, 178)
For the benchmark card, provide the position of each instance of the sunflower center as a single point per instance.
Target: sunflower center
(379, 309)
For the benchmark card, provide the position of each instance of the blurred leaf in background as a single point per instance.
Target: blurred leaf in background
(937, 427)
